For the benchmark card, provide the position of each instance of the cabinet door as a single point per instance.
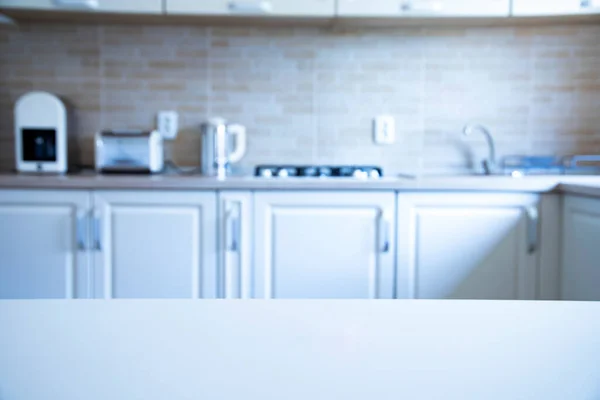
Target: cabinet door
(324, 245)
(119, 6)
(423, 8)
(235, 245)
(308, 8)
(554, 7)
(43, 240)
(467, 246)
(580, 278)
(155, 245)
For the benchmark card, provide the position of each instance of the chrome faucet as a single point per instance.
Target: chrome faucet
(489, 164)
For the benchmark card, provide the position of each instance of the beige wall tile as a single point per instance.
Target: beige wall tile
(62, 59)
(309, 94)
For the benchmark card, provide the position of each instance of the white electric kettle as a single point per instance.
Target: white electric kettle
(218, 149)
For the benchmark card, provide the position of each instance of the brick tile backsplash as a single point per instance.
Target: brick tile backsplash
(308, 95)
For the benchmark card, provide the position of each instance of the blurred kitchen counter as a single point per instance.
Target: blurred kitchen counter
(580, 185)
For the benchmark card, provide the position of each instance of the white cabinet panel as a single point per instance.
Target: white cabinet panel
(549, 262)
(336, 245)
(554, 7)
(119, 6)
(155, 245)
(580, 279)
(43, 241)
(309, 8)
(423, 8)
(467, 246)
(235, 245)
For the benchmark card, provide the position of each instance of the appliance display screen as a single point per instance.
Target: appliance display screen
(38, 144)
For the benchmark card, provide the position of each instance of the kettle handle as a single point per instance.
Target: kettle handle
(240, 142)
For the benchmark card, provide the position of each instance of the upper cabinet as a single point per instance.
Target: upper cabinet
(113, 6)
(296, 8)
(318, 8)
(423, 8)
(522, 8)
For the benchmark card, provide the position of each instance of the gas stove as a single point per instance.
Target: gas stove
(319, 171)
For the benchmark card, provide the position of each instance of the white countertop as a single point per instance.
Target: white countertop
(299, 349)
(583, 188)
(581, 185)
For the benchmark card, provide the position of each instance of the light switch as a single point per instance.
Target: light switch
(384, 129)
(168, 124)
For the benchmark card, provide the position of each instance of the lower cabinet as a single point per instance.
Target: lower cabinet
(580, 275)
(42, 244)
(296, 245)
(467, 246)
(324, 245)
(154, 244)
(234, 264)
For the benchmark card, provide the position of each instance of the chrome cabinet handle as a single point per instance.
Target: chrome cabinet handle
(81, 230)
(532, 228)
(384, 226)
(590, 4)
(232, 229)
(81, 4)
(259, 7)
(97, 233)
(234, 244)
(432, 7)
(231, 270)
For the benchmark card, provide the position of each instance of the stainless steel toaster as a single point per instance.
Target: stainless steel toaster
(129, 152)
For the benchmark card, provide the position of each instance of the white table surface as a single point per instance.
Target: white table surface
(167, 350)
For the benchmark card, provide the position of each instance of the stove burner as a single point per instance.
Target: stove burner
(319, 171)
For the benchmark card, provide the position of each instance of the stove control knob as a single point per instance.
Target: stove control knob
(310, 171)
(283, 173)
(266, 173)
(374, 174)
(359, 174)
(325, 172)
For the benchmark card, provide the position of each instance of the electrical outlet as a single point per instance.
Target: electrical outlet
(168, 124)
(384, 129)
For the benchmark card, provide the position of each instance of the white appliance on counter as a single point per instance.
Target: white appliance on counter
(40, 133)
(129, 152)
(222, 145)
